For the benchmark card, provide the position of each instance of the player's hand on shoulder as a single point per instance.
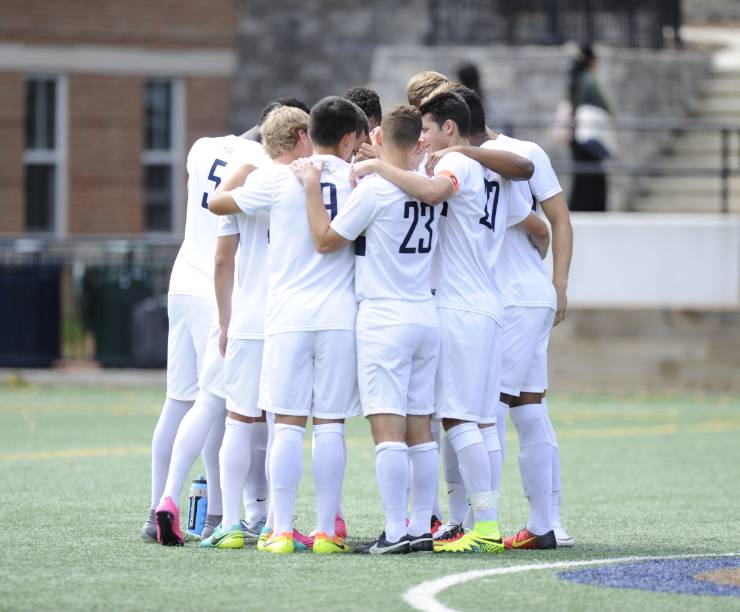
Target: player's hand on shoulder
(365, 152)
(306, 171)
(363, 168)
(433, 159)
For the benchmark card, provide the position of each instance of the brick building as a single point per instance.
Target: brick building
(99, 103)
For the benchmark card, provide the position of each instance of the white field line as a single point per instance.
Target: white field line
(423, 596)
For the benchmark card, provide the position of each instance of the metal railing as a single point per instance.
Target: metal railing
(621, 23)
(661, 161)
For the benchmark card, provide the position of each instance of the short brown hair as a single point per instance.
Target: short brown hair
(422, 85)
(280, 129)
(402, 125)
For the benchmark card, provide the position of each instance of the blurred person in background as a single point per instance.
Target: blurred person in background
(591, 138)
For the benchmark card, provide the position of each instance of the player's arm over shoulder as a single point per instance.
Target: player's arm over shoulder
(433, 190)
(234, 196)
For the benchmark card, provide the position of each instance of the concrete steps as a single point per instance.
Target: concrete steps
(698, 150)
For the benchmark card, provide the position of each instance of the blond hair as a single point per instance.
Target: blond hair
(280, 130)
(421, 85)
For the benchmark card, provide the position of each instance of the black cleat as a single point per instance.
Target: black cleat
(421, 544)
(381, 546)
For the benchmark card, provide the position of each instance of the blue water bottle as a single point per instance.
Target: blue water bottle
(198, 506)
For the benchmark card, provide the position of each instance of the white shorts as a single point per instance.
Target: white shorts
(242, 368)
(190, 319)
(526, 336)
(311, 373)
(396, 366)
(212, 372)
(469, 371)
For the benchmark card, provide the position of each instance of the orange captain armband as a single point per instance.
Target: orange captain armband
(453, 178)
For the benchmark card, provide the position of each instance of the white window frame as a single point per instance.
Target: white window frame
(172, 157)
(57, 156)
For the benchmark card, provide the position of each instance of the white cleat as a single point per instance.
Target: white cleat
(563, 539)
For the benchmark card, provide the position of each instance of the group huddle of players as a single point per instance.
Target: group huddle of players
(340, 262)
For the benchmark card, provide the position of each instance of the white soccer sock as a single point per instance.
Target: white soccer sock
(270, 520)
(163, 438)
(256, 487)
(495, 455)
(472, 458)
(392, 472)
(424, 460)
(234, 459)
(286, 465)
(329, 460)
(535, 464)
(212, 465)
(436, 428)
(189, 441)
(555, 498)
(502, 414)
(457, 497)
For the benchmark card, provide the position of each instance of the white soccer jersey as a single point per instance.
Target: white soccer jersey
(394, 255)
(522, 274)
(250, 292)
(192, 273)
(471, 235)
(306, 290)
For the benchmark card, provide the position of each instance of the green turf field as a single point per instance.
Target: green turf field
(641, 476)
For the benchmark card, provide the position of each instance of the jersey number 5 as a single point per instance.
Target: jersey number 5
(489, 219)
(415, 210)
(217, 163)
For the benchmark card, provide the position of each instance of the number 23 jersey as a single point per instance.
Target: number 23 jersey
(394, 255)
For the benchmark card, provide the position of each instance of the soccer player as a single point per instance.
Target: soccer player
(369, 101)
(191, 311)
(254, 132)
(241, 343)
(534, 303)
(309, 362)
(397, 328)
(468, 304)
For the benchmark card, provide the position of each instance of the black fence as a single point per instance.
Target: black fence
(620, 23)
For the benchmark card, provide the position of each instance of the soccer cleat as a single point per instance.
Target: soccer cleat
(436, 524)
(484, 538)
(302, 542)
(324, 545)
(167, 515)
(149, 530)
(279, 544)
(264, 536)
(526, 540)
(340, 527)
(421, 544)
(212, 521)
(252, 532)
(562, 538)
(229, 538)
(381, 546)
(448, 532)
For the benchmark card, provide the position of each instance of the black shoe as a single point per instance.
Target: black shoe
(381, 546)
(421, 544)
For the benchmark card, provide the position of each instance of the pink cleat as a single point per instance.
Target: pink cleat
(167, 515)
(340, 528)
(302, 542)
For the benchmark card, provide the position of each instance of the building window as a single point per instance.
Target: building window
(163, 144)
(44, 154)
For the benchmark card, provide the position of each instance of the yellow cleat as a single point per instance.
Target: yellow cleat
(483, 538)
(264, 536)
(324, 545)
(279, 544)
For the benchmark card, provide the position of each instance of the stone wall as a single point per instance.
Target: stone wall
(322, 49)
(711, 11)
(523, 85)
